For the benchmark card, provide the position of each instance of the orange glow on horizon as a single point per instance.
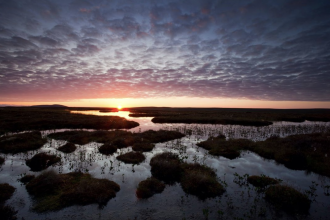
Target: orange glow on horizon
(180, 102)
(119, 107)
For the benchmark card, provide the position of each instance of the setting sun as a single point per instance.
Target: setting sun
(119, 107)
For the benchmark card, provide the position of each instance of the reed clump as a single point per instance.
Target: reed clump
(200, 181)
(166, 167)
(262, 181)
(56, 191)
(107, 149)
(67, 148)
(27, 178)
(149, 187)
(144, 146)
(288, 199)
(21, 142)
(132, 157)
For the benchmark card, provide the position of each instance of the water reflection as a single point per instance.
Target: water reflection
(173, 203)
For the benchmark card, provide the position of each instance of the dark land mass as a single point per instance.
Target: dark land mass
(298, 152)
(231, 116)
(118, 138)
(49, 106)
(21, 142)
(56, 191)
(28, 118)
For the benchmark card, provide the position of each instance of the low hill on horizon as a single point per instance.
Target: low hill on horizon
(50, 106)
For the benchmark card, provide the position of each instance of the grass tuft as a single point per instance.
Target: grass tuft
(56, 191)
(261, 181)
(27, 178)
(2, 160)
(132, 157)
(144, 146)
(67, 148)
(6, 191)
(107, 149)
(200, 181)
(287, 199)
(21, 142)
(166, 167)
(149, 187)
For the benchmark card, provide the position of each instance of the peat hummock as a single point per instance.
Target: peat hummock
(195, 179)
(108, 149)
(56, 191)
(119, 138)
(67, 148)
(262, 181)
(200, 181)
(144, 146)
(6, 191)
(132, 157)
(287, 199)
(27, 178)
(149, 187)
(21, 142)
(166, 167)
(219, 146)
(41, 161)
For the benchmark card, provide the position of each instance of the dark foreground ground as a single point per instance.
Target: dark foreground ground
(15, 119)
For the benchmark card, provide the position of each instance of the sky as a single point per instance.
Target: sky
(188, 53)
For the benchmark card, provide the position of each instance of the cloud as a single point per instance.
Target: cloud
(263, 50)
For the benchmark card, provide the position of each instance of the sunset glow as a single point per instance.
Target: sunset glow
(80, 52)
(119, 107)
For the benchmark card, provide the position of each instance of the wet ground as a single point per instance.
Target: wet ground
(240, 201)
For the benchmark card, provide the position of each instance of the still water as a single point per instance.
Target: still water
(240, 201)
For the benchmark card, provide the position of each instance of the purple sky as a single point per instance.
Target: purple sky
(65, 50)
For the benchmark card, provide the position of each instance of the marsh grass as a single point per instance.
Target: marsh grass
(21, 142)
(149, 187)
(219, 146)
(107, 149)
(119, 138)
(7, 212)
(55, 191)
(144, 146)
(6, 191)
(67, 148)
(195, 179)
(41, 161)
(27, 118)
(262, 181)
(297, 152)
(132, 157)
(288, 199)
(230, 116)
(27, 178)
(166, 167)
(200, 181)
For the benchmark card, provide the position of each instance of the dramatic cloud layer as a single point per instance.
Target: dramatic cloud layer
(255, 49)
